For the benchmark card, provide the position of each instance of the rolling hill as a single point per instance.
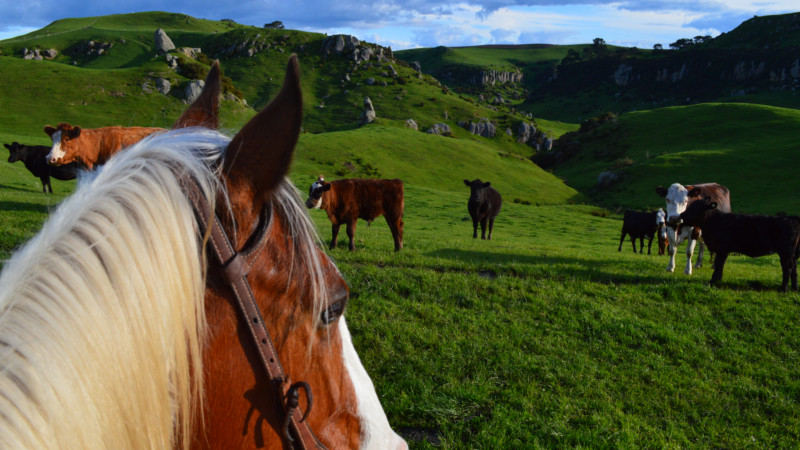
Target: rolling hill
(756, 63)
(117, 87)
(750, 148)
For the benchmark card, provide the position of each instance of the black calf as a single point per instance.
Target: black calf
(483, 205)
(640, 225)
(34, 158)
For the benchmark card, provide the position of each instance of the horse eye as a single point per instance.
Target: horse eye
(333, 311)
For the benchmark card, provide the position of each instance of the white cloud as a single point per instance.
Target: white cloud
(411, 23)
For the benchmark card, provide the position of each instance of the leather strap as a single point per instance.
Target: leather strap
(235, 268)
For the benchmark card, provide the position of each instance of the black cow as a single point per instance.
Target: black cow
(484, 205)
(35, 159)
(748, 234)
(641, 225)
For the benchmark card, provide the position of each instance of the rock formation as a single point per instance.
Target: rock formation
(369, 115)
(163, 42)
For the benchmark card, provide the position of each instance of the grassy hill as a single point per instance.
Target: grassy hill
(781, 31)
(334, 87)
(752, 63)
(752, 149)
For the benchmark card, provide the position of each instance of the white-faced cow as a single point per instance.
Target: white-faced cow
(35, 159)
(641, 225)
(747, 234)
(348, 200)
(93, 146)
(678, 198)
(483, 206)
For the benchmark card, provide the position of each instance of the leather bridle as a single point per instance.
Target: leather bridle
(296, 431)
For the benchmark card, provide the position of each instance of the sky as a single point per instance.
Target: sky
(430, 23)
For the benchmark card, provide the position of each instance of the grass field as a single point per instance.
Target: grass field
(547, 336)
(751, 149)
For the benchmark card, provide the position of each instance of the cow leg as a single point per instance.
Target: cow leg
(786, 270)
(483, 228)
(621, 240)
(334, 234)
(351, 233)
(672, 248)
(474, 228)
(719, 264)
(689, 252)
(649, 244)
(794, 274)
(641, 245)
(396, 226)
(700, 253)
(491, 227)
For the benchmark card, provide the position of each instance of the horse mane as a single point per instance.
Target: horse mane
(102, 318)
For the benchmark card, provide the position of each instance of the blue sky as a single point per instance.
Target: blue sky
(428, 23)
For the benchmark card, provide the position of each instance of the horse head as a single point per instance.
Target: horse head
(299, 291)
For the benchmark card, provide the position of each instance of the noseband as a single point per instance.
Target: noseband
(296, 431)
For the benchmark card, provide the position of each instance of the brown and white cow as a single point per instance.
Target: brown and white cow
(92, 146)
(348, 200)
(678, 198)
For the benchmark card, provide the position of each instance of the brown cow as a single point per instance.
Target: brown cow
(347, 200)
(93, 146)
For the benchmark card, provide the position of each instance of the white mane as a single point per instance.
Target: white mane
(101, 313)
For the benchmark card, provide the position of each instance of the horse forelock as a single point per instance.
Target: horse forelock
(306, 257)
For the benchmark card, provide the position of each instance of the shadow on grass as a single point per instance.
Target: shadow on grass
(22, 206)
(601, 271)
(16, 188)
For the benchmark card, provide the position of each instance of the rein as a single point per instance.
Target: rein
(235, 269)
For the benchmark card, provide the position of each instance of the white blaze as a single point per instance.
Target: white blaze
(376, 433)
(56, 152)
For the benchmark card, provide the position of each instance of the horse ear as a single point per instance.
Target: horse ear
(204, 111)
(49, 130)
(258, 157)
(661, 191)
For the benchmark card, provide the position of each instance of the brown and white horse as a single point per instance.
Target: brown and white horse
(118, 331)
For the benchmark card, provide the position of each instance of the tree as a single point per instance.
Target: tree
(599, 43)
(681, 44)
(658, 47)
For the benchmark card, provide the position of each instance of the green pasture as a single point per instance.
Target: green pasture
(545, 336)
(751, 149)
(496, 57)
(548, 337)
